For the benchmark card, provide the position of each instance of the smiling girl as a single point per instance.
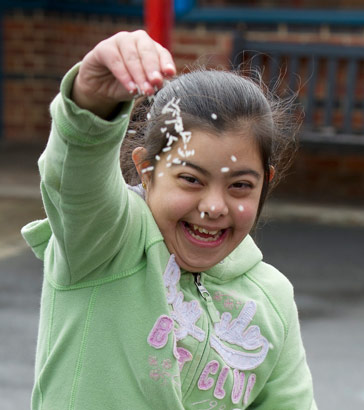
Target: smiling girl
(154, 295)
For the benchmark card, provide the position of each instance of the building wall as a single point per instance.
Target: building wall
(40, 47)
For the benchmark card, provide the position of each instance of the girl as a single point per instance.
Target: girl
(156, 297)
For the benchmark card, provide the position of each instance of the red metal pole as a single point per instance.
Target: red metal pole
(158, 19)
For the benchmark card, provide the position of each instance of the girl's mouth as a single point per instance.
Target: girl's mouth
(202, 236)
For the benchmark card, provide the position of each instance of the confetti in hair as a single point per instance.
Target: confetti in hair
(172, 107)
(214, 116)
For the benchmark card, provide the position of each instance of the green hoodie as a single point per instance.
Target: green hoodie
(121, 326)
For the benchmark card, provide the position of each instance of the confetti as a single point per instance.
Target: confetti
(233, 158)
(202, 215)
(213, 207)
(149, 116)
(173, 108)
(241, 208)
(169, 164)
(213, 116)
(148, 169)
(160, 174)
(171, 139)
(124, 116)
(225, 169)
(157, 157)
(169, 157)
(166, 149)
(131, 131)
(176, 161)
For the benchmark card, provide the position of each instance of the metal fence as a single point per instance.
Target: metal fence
(326, 78)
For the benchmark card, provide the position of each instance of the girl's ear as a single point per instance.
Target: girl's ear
(138, 156)
(272, 172)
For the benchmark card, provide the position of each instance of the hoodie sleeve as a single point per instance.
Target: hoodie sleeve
(289, 387)
(83, 191)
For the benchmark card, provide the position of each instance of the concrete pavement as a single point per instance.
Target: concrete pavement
(319, 248)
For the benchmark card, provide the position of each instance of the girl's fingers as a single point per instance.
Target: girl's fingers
(137, 62)
(166, 61)
(115, 64)
(138, 54)
(129, 57)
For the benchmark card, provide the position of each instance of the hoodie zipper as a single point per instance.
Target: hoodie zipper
(204, 293)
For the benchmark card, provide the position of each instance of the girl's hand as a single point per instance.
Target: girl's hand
(119, 67)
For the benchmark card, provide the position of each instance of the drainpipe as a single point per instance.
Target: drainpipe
(158, 19)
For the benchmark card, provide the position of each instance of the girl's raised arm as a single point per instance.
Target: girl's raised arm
(86, 200)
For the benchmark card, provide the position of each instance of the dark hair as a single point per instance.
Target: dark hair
(217, 102)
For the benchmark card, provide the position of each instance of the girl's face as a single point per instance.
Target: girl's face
(206, 207)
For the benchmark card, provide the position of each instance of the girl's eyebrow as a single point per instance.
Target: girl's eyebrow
(203, 171)
(243, 172)
(233, 174)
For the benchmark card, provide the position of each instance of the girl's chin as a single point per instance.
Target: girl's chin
(198, 264)
(191, 266)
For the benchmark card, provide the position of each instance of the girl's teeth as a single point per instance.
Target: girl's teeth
(214, 234)
(203, 230)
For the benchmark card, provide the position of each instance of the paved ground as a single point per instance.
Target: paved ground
(319, 248)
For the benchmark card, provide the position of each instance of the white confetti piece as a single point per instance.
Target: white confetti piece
(213, 207)
(202, 215)
(149, 116)
(241, 208)
(233, 158)
(213, 116)
(169, 157)
(160, 174)
(148, 169)
(225, 169)
(166, 149)
(131, 131)
(157, 157)
(163, 129)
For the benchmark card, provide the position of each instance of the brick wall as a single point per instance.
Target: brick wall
(40, 47)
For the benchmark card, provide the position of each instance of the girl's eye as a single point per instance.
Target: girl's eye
(241, 185)
(189, 179)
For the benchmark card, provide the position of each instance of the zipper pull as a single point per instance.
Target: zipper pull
(200, 287)
(214, 314)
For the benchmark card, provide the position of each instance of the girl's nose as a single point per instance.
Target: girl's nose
(213, 205)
